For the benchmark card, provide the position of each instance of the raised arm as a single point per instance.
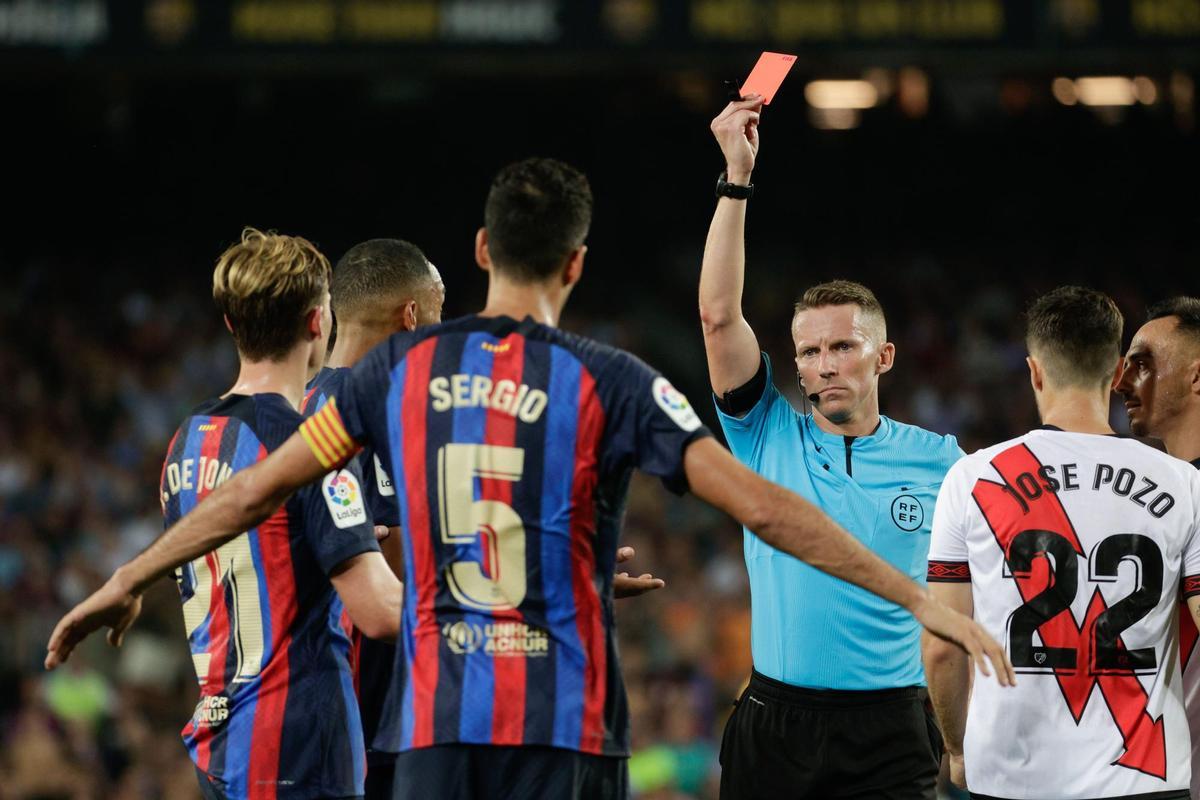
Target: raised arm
(790, 523)
(241, 503)
(733, 352)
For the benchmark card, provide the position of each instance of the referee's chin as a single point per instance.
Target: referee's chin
(838, 416)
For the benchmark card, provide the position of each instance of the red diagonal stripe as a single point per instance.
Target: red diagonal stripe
(1126, 698)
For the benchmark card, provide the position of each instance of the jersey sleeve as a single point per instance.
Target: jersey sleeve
(651, 423)
(948, 555)
(1191, 551)
(337, 432)
(747, 434)
(336, 523)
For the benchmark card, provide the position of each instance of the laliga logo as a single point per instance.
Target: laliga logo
(676, 406)
(672, 398)
(342, 490)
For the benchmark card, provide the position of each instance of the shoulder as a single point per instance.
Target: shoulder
(274, 419)
(942, 448)
(329, 379)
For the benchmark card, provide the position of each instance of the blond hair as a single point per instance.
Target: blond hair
(843, 293)
(265, 285)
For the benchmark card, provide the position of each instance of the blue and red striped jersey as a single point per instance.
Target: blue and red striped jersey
(511, 445)
(372, 661)
(277, 716)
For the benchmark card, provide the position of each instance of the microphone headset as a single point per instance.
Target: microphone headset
(813, 399)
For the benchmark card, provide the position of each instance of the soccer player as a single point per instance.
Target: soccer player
(277, 715)
(1071, 543)
(835, 706)
(1161, 386)
(379, 287)
(511, 443)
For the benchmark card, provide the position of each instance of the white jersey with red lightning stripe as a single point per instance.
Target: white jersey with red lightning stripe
(1189, 656)
(1076, 546)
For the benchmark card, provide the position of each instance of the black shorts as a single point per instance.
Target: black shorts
(485, 772)
(380, 774)
(784, 741)
(212, 790)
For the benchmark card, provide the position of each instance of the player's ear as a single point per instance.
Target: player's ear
(1036, 377)
(482, 257)
(1117, 373)
(1194, 378)
(315, 322)
(409, 315)
(574, 270)
(887, 358)
(228, 324)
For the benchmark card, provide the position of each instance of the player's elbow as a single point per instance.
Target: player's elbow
(379, 625)
(716, 316)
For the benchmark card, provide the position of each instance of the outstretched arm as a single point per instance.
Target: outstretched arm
(790, 523)
(733, 352)
(949, 674)
(242, 502)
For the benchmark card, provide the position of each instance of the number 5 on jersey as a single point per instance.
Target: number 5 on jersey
(492, 523)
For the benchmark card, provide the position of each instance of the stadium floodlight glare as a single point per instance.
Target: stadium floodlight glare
(1105, 91)
(854, 95)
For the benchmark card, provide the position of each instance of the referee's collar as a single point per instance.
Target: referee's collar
(837, 440)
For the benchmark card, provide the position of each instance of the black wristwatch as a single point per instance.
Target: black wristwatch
(734, 190)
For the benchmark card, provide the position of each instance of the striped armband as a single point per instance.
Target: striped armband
(326, 437)
(948, 572)
(1191, 586)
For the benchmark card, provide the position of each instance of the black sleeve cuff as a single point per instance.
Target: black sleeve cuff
(1191, 586)
(738, 402)
(948, 572)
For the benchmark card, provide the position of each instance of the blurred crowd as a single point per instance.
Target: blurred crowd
(97, 376)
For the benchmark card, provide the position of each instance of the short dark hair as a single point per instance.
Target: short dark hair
(375, 268)
(265, 285)
(1076, 334)
(1185, 309)
(842, 293)
(537, 212)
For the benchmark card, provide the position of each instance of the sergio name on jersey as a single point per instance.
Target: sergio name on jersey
(511, 445)
(1075, 546)
(277, 715)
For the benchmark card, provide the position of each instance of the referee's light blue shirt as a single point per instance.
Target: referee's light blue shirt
(807, 628)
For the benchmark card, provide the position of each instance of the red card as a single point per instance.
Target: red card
(767, 75)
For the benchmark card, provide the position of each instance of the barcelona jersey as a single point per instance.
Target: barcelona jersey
(372, 660)
(277, 716)
(511, 446)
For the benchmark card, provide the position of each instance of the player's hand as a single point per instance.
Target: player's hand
(382, 532)
(111, 606)
(736, 131)
(946, 623)
(958, 772)
(626, 586)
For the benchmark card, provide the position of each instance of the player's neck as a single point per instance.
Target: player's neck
(542, 301)
(285, 377)
(1183, 439)
(1075, 410)
(355, 340)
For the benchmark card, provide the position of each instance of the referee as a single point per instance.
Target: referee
(835, 707)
